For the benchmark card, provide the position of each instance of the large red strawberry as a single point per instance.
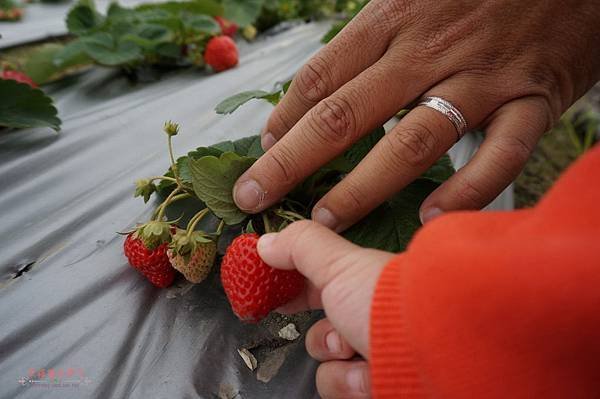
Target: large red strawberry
(253, 287)
(228, 28)
(221, 53)
(18, 76)
(146, 249)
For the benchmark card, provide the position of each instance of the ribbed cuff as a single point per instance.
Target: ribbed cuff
(394, 371)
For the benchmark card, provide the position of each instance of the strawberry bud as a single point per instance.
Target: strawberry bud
(171, 128)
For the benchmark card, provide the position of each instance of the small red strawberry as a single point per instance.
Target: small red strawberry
(228, 28)
(221, 53)
(193, 255)
(17, 76)
(146, 249)
(253, 287)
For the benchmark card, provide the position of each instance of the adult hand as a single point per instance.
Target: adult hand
(341, 279)
(511, 67)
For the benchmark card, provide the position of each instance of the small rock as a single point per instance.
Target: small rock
(248, 358)
(289, 332)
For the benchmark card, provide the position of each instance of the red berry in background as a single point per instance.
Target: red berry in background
(17, 76)
(221, 53)
(152, 263)
(254, 288)
(228, 28)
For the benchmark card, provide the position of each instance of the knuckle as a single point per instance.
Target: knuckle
(314, 81)
(471, 196)
(280, 121)
(351, 198)
(414, 146)
(515, 147)
(282, 166)
(387, 12)
(512, 148)
(333, 121)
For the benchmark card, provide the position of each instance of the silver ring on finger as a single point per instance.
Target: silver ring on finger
(449, 111)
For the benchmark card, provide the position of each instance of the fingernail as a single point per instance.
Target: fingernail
(325, 217)
(429, 214)
(248, 195)
(332, 340)
(267, 141)
(356, 380)
(265, 242)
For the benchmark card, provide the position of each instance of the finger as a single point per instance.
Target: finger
(344, 380)
(510, 139)
(324, 343)
(368, 34)
(315, 251)
(341, 274)
(402, 155)
(325, 132)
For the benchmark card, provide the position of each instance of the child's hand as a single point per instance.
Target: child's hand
(341, 280)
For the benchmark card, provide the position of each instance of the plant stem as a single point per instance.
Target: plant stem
(167, 178)
(195, 220)
(162, 207)
(220, 228)
(573, 136)
(290, 214)
(173, 163)
(266, 222)
(589, 137)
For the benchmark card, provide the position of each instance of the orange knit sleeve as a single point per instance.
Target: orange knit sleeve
(496, 304)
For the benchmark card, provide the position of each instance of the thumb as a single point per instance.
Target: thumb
(344, 275)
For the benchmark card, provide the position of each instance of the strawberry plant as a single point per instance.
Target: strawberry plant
(205, 177)
(10, 10)
(170, 34)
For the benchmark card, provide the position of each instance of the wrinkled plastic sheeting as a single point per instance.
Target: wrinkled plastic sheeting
(43, 20)
(68, 299)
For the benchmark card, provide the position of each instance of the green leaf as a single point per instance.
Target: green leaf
(201, 23)
(22, 106)
(106, 50)
(391, 226)
(440, 171)
(213, 179)
(361, 148)
(168, 50)
(83, 18)
(232, 103)
(41, 65)
(249, 147)
(208, 7)
(224, 146)
(70, 55)
(242, 12)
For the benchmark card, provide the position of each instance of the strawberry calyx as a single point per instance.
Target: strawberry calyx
(154, 233)
(185, 244)
(144, 188)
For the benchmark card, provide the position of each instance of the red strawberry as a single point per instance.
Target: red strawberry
(253, 287)
(228, 28)
(146, 249)
(18, 76)
(221, 53)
